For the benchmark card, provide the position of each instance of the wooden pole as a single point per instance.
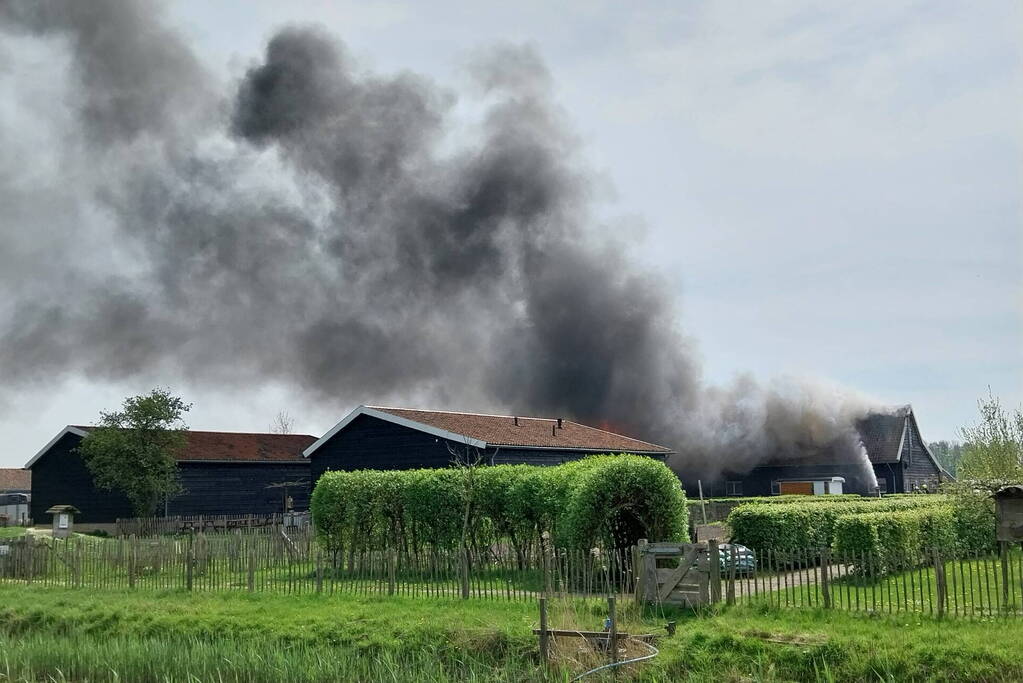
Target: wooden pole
(545, 637)
(939, 580)
(733, 560)
(613, 618)
(703, 504)
(1003, 549)
(189, 561)
(714, 554)
(319, 573)
(391, 562)
(464, 556)
(639, 569)
(132, 560)
(252, 571)
(826, 576)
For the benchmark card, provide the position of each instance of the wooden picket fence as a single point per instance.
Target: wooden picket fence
(293, 563)
(289, 560)
(143, 527)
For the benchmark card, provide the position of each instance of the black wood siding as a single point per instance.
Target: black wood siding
(371, 443)
(918, 467)
(238, 488)
(61, 477)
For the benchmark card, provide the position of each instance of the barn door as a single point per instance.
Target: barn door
(802, 488)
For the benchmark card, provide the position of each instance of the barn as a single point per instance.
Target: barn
(898, 455)
(220, 472)
(375, 437)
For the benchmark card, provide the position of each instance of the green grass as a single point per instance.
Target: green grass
(11, 531)
(59, 634)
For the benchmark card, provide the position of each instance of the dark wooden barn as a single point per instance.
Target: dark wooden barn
(220, 472)
(898, 456)
(372, 437)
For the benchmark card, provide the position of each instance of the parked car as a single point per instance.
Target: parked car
(745, 559)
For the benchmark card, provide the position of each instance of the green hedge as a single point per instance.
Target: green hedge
(608, 500)
(896, 539)
(805, 525)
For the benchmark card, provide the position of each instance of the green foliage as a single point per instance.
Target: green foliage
(896, 539)
(133, 450)
(802, 525)
(993, 448)
(948, 454)
(609, 500)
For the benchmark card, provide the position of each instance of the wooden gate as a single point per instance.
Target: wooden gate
(673, 573)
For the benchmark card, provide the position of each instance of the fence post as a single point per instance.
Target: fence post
(714, 555)
(544, 635)
(939, 580)
(1003, 550)
(319, 572)
(639, 569)
(189, 561)
(826, 576)
(132, 561)
(392, 560)
(252, 570)
(613, 618)
(730, 590)
(465, 572)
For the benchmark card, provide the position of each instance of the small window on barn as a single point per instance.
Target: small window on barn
(882, 485)
(775, 488)
(733, 488)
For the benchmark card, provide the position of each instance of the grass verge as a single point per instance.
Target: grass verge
(68, 635)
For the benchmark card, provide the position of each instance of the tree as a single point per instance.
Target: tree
(993, 448)
(283, 423)
(948, 453)
(134, 450)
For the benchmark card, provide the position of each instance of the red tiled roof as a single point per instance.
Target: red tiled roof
(12, 479)
(243, 447)
(530, 432)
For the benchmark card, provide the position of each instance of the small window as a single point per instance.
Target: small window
(733, 488)
(882, 485)
(775, 488)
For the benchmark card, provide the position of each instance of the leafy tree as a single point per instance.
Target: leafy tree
(993, 448)
(948, 453)
(134, 450)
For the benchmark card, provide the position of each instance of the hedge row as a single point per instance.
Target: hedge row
(895, 540)
(608, 500)
(804, 525)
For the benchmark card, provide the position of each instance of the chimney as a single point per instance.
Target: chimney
(516, 420)
(559, 423)
(554, 430)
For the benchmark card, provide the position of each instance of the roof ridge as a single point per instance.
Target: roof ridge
(463, 412)
(210, 431)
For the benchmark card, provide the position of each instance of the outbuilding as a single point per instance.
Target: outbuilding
(221, 473)
(377, 437)
(896, 452)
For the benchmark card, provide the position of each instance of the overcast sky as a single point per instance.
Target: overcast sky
(832, 190)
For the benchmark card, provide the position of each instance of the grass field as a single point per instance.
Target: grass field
(59, 634)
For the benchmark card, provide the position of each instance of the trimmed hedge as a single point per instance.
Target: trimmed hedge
(609, 500)
(804, 525)
(895, 540)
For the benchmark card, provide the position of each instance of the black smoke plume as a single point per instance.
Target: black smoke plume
(325, 227)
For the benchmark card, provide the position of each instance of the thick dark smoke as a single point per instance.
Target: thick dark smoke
(321, 226)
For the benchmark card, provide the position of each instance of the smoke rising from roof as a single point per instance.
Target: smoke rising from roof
(320, 225)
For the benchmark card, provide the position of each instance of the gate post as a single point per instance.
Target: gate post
(714, 557)
(639, 569)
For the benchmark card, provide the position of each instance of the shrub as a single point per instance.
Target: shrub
(896, 539)
(598, 500)
(803, 525)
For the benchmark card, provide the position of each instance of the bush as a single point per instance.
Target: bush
(895, 539)
(609, 500)
(805, 525)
